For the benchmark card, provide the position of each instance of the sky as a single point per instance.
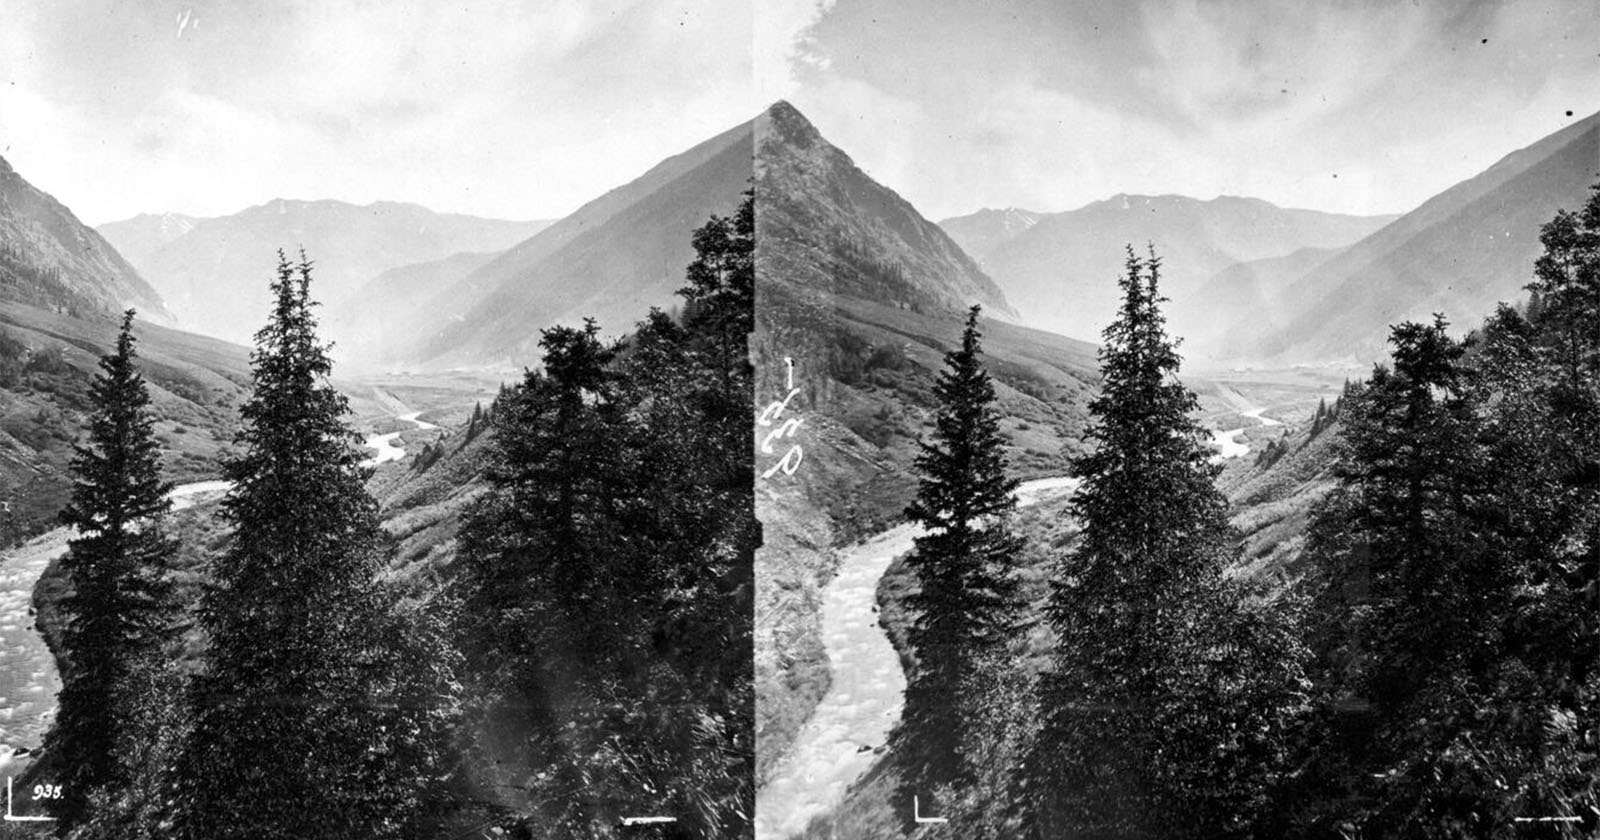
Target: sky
(1358, 107)
(525, 110)
(515, 109)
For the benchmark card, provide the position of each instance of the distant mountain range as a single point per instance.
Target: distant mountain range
(612, 259)
(1458, 254)
(1060, 269)
(213, 272)
(980, 233)
(51, 260)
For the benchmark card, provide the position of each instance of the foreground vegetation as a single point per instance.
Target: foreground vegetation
(584, 658)
(1428, 667)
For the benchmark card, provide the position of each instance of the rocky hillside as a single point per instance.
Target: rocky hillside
(612, 260)
(50, 260)
(47, 361)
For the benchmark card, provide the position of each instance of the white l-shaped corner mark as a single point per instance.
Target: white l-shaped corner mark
(628, 821)
(11, 817)
(916, 812)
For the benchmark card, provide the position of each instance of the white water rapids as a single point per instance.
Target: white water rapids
(841, 739)
(28, 678)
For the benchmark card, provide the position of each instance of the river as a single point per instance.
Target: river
(1228, 443)
(385, 446)
(28, 678)
(842, 738)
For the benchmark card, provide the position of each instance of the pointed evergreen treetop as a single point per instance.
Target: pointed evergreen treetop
(295, 436)
(963, 470)
(1148, 482)
(119, 480)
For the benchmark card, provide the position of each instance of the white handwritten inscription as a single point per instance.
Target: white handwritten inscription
(781, 429)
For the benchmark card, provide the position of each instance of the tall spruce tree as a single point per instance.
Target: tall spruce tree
(119, 611)
(1167, 703)
(322, 700)
(965, 605)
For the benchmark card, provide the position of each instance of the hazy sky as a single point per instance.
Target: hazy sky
(524, 109)
(1051, 104)
(519, 109)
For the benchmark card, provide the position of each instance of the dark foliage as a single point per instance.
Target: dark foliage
(1168, 706)
(323, 700)
(607, 578)
(1458, 577)
(119, 611)
(965, 608)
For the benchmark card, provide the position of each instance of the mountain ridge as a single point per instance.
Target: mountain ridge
(214, 274)
(54, 260)
(1459, 253)
(1061, 269)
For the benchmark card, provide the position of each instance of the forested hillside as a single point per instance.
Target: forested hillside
(1395, 641)
(531, 669)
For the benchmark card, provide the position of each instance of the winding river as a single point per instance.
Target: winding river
(28, 678)
(848, 728)
(384, 444)
(1228, 441)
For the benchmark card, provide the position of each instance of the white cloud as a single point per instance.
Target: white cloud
(780, 41)
(495, 107)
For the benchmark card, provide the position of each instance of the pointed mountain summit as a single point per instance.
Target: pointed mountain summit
(882, 250)
(626, 250)
(51, 260)
(1460, 253)
(982, 232)
(139, 237)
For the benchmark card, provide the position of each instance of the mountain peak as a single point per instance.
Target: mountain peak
(791, 127)
(882, 250)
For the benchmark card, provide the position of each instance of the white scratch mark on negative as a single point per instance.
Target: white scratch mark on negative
(187, 20)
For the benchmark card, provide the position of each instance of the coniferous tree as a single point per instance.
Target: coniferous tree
(1403, 589)
(1456, 575)
(119, 612)
(965, 605)
(323, 699)
(607, 576)
(1166, 709)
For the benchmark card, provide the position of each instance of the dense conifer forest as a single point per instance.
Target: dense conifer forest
(585, 661)
(1432, 673)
